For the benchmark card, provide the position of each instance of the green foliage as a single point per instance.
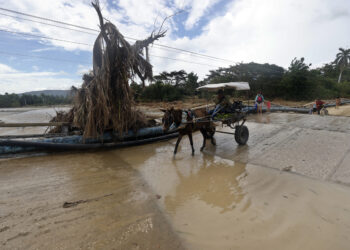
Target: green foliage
(160, 91)
(344, 89)
(342, 61)
(14, 100)
(168, 87)
(136, 90)
(297, 81)
(191, 84)
(261, 77)
(174, 78)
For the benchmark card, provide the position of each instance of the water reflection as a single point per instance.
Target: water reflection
(277, 118)
(260, 118)
(216, 182)
(216, 203)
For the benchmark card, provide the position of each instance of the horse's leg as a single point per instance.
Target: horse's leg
(213, 141)
(177, 143)
(204, 138)
(191, 141)
(212, 131)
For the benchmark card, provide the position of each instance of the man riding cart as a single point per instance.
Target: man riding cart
(229, 114)
(221, 102)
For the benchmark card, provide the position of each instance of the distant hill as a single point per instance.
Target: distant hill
(48, 92)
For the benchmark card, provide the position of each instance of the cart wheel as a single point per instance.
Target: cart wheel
(241, 135)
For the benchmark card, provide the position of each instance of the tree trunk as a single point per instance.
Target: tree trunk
(147, 59)
(339, 79)
(147, 55)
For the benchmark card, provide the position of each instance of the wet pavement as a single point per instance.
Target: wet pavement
(288, 188)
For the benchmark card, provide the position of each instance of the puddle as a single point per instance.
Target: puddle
(216, 203)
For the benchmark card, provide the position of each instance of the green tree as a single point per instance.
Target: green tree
(191, 84)
(328, 70)
(265, 77)
(297, 80)
(160, 91)
(175, 77)
(137, 89)
(342, 60)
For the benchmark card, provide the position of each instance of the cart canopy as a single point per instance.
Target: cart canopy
(226, 85)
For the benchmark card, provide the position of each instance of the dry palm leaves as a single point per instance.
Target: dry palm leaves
(104, 101)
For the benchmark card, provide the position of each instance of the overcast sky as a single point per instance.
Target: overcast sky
(263, 31)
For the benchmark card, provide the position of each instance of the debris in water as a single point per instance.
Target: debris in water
(287, 169)
(76, 203)
(73, 204)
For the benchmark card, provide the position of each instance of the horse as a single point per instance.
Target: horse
(205, 126)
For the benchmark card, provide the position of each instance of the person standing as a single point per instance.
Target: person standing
(268, 105)
(337, 102)
(259, 100)
(319, 105)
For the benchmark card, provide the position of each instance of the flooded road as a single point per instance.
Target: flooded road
(216, 203)
(277, 192)
(79, 201)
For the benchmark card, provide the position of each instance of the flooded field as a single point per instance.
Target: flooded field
(287, 189)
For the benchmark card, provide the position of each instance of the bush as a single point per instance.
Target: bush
(13, 100)
(161, 92)
(344, 89)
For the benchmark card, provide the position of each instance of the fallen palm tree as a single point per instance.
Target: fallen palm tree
(104, 101)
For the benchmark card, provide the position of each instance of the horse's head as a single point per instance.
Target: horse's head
(170, 116)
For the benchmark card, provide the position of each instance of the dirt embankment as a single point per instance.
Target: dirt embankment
(343, 110)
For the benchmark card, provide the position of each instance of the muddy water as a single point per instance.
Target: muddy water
(23, 115)
(144, 198)
(216, 203)
(79, 201)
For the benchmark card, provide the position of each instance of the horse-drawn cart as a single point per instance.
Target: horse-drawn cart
(232, 115)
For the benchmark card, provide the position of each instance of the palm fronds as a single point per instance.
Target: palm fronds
(104, 101)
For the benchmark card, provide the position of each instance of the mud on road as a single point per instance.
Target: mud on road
(110, 206)
(287, 189)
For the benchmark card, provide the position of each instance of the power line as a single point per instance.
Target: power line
(47, 19)
(73, 42)
(86, 28)
(49, 24)
(73, 61)
(94, 34)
